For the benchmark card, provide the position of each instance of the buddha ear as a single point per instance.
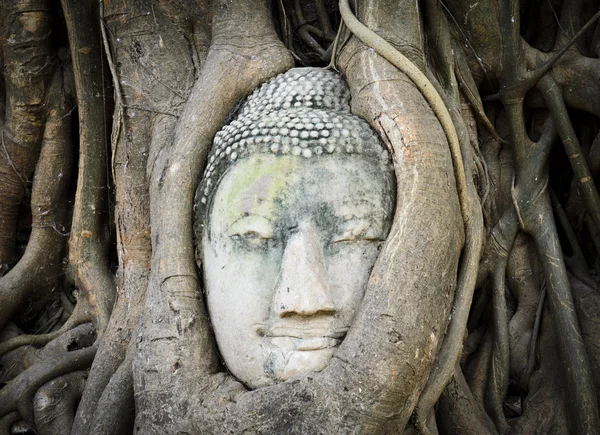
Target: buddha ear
(199, 257)
(200, 234)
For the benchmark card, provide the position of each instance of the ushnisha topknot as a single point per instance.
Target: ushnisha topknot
(304, 112)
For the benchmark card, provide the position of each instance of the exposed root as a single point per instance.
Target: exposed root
(473, 220)
(499, 365)
(55, 402)
(467, 276)
(87, 255)
(558, 109)
(523, 281)
(576, 262)
(531, 355)
(39, 270)
(459, 412)
(19, 393)
(19, 360)
(7, 421)
(536, 218)
(116, 407)
(29, 61)
(385, 49)
(476, 369)
(447, 111)
(74, 320)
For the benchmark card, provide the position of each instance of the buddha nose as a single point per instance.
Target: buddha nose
(303, 287)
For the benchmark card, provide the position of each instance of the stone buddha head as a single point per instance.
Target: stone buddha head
(295, 203)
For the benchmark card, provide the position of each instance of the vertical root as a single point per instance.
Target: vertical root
(531, 356)
(7, 421)
(116, 407)
(29, 62)
(554, 99)
(86, 252)
(499, 365)
(459, 412)
(579, 383)
(40, 267)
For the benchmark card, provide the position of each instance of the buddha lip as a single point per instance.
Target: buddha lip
(282, 330)
(305, 344)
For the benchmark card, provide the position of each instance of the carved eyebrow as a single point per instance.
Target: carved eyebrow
(237, 201)
(365, 223)
(377, 212)
(353, 202)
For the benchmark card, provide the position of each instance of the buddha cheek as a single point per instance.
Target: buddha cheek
(240, 284)
(349, 283)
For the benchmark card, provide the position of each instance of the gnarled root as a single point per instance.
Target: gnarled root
(59, 360)
(55, 402)
(459, 412)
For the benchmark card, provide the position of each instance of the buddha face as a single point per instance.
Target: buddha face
(288, 248)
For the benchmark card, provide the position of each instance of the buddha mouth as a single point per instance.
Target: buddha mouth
(302, 338)
(306, 344)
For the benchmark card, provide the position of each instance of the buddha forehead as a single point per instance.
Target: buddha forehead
(283, 191)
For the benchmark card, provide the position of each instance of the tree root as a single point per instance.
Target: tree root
(546, 389)
(532, 203)
(116, 407)
(535, 215)
(587, 188)
(500, 362)
(19, 360)
(119, 335)
(87, 254)
(531, 78)
(387, 51)
(523, 281)
(576, 262)
(55, 402)
(476, 369)
(77, 318)
(467, 276)
(7, 421)
(531, 355)
(19, 393)
(38, 271)
(132, 207)
(29, 62)
(458, 412)
(471, 210)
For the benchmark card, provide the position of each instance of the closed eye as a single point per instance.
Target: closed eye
(252, 239)
(252, 230)
(359, 231)
(250, 235)
(359, 239)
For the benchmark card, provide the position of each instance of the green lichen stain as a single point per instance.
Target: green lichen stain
(263, 180)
